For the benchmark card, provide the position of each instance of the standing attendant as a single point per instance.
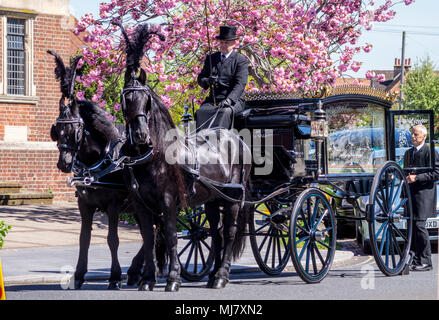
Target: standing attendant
(226, 78)
(423, 192)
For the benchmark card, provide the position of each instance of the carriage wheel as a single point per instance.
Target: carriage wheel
(313, 235)
(390, 208)
(269, 236)
(195, 253)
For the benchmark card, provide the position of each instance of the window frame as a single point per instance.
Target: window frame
(17, 55)
(29, 95)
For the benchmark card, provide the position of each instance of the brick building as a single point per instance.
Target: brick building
(29, 93)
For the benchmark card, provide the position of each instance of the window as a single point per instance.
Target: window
(17, 57)
(356, 142)
(16, 76)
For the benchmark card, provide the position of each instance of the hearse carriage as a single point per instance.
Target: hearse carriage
(305, 167)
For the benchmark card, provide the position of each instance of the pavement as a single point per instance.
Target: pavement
(43, 245)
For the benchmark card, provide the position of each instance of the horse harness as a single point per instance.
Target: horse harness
(137, 87)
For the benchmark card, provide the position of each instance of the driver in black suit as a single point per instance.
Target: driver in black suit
(226, 79)
(423, 193)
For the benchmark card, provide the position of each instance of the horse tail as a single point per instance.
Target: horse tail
(160, 249)
(243, 217)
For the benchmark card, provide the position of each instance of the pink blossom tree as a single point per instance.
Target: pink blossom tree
(291, 45)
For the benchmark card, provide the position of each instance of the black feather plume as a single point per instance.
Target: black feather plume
(65, 75)
(135, 48)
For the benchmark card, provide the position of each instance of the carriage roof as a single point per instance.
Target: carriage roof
(330, 97)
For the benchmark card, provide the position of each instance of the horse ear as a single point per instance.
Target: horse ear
(142, 77)
(53, 133)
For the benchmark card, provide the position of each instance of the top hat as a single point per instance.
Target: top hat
(227, 33)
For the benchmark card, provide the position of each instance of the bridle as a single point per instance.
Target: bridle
(129, 117)
(80, 131)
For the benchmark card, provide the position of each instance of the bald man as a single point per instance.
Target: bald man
(423, 192)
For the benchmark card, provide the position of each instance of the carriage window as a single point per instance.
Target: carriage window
(356, 142)
(404, 124)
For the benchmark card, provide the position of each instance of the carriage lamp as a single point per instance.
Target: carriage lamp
(319, 131)
(186, 118)
(319, 126)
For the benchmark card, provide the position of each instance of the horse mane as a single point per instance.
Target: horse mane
(96, 118)
(160, 122)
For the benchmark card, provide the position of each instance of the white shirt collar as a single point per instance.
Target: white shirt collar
(227, 55)
(420, 146)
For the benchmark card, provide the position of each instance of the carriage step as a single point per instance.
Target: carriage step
(16, 199)
(9, 187)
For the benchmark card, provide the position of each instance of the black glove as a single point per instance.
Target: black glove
(212, 80)
(225, 103)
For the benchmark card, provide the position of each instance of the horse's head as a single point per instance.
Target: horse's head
(68, 132)
(137, 96)
(69, 128)
(136, 103)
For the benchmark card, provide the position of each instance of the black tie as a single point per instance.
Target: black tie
(222, 57)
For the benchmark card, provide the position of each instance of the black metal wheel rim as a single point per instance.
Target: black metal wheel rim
(390, 219)
(195, 253)
(313, 239)
(269, 236)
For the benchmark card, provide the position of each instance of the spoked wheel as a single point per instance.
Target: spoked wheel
(269, 236)
(195, 252)
(389, 209)
(313, 235)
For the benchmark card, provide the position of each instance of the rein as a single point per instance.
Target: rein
(90, 175)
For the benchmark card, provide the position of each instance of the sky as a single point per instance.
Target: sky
(419, 20)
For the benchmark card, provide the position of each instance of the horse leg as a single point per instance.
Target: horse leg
(115, 281)
(135, 269)
(87, 213)
(231, 212)
(148, 280)
(213, 216)
(173, 281)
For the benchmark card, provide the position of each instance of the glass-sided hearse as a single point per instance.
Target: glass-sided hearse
(358, 142)
(318, 162)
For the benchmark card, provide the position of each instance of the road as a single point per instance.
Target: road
(356, 279)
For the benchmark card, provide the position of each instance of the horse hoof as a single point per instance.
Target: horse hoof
(220, 283)
(133, 280)
(78, 284)
(210, 282)
(172, 286)
(114, 285)
(147, 286)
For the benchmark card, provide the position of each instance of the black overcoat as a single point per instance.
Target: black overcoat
(232, 76)
(423, 190)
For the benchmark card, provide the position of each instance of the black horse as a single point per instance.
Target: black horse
(85, 137)
(149, 125)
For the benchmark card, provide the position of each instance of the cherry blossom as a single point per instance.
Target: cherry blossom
(291, 45)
